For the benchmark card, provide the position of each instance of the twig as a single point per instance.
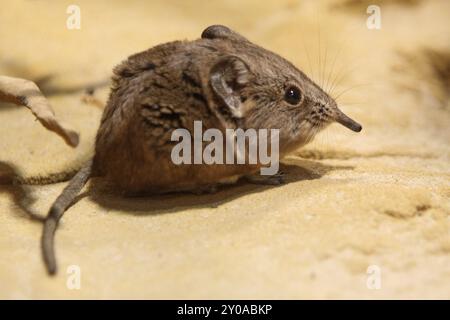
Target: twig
(26, 93)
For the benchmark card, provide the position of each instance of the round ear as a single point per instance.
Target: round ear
(227, 78)
(221, 32)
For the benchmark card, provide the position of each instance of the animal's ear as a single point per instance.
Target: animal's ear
(227, 78)
(221, 32)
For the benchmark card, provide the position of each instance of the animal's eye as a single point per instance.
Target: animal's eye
(292, 95)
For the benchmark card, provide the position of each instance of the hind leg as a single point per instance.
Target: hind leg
(273, 180)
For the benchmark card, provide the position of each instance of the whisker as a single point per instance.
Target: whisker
(308, 58)
(324, 65)
(351, 88)
(338, 53)
(342, 75)
(359, 103)
(320, 51)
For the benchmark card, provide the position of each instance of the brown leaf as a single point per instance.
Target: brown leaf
(26, 93)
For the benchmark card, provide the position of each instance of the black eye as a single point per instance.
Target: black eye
(292, 95)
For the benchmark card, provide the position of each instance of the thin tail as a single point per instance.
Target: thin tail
(57, 210)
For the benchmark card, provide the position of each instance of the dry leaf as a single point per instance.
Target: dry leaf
(26, 93)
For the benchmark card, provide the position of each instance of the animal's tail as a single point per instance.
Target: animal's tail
(57, 210)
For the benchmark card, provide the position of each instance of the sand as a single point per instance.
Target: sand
(378, 200)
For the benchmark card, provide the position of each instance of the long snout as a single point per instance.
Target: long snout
(346, 121)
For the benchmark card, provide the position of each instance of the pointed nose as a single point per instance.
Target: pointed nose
(346, 121)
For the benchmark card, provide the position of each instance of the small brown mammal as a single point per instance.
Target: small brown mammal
(223, 80)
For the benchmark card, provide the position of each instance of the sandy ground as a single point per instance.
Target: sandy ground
(379, 198)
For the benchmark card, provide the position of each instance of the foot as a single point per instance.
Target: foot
(273, 180)
(206, 190)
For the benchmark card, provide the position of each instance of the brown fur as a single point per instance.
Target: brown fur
(168, 87)
(223, 80)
